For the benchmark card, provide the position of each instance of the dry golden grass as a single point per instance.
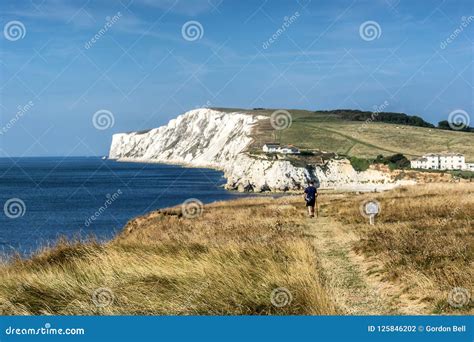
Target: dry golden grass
(228, 261)
(424, 239)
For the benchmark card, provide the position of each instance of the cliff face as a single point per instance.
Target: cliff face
(201, 137)
(210, 138)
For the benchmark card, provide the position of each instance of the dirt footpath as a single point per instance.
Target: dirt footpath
(349, 278)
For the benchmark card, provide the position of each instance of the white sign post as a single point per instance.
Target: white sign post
(372, 209)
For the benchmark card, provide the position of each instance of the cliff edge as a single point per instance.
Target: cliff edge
(216, 139)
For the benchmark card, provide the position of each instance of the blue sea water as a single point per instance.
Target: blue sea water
(43, 199)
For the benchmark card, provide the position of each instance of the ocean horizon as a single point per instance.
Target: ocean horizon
(46, 198)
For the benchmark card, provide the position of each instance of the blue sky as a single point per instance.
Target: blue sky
(144, 72)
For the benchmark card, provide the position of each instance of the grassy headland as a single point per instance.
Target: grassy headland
(337, 132)
(263, 256)
(228, 261)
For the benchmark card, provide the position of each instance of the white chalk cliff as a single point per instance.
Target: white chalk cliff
(213, 139)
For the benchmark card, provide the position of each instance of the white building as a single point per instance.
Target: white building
(470, 166)
(276, 148)
(288, 149)
(419, 163)
(441, 161)
(271, 148)
(452, 161)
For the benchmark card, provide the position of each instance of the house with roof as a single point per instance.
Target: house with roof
(277, 148)
(441, 161)
(271, 147)
(419, 163)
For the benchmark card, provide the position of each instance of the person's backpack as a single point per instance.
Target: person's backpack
(310, 196)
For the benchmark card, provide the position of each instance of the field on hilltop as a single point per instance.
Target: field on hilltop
(332, 132)
(416, 259)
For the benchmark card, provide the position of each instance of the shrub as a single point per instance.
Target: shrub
(463, 174)
(396, 161)
(360, 164)
(306, 153)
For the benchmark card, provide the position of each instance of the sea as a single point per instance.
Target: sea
(45, 199)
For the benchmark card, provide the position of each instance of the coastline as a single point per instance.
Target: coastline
(168, 162)
(341, 188)
(209, 138)
(88, 196)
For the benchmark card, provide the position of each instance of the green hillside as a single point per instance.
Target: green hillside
(332, 132)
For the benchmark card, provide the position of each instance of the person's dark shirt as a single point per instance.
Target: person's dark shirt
(310, 191)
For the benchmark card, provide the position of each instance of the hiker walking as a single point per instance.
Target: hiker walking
(310, 194)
